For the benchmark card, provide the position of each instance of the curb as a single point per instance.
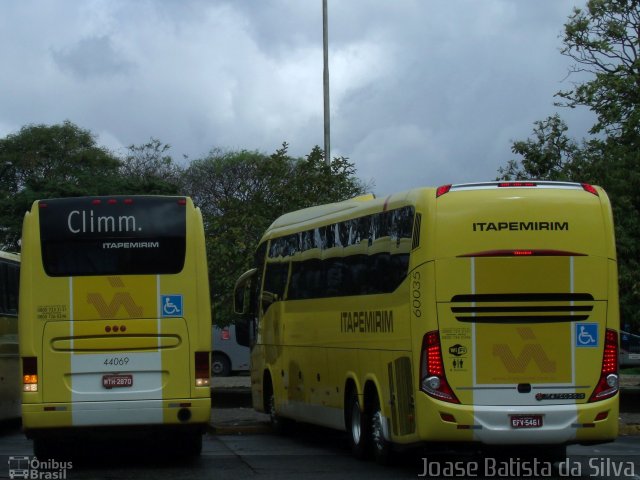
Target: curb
(626, 430)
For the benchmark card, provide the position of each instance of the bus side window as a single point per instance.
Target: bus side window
(275, 281)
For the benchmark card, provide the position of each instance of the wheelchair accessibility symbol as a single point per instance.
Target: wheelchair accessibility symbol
(586, 334)
(171, 305)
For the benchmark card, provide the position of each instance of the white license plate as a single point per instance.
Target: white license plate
(526, 421)
(117, 381)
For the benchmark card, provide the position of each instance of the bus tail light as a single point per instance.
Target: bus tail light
(517, 184)
(441, 190)
(29, 374)
(608, 384)
(433, 380)
(203, 375)
(590, 189)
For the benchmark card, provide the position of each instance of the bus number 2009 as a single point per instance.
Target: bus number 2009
(416, 302)
(116, 361)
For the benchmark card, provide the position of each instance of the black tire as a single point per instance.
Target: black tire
(382, 448)
(279, 424)
(220, 365)
(358, 427)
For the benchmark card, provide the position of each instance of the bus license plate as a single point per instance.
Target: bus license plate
(526, 421)
(117, 381)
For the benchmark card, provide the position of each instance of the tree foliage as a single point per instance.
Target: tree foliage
(149, 168)
(64, 160)
(603, 40)
(43, 161)
(242, 192)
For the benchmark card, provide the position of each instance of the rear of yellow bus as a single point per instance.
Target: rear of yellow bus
(114, 318)
(526, 342)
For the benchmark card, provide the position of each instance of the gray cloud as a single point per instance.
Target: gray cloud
(92, 57)
(422, 92)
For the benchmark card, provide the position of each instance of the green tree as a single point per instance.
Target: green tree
(43, 161)
(241, 192)
(549, 155)
(603, 40)
(148, 168)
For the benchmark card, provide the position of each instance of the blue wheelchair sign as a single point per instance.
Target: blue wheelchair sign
(586, 334)
(171, 305)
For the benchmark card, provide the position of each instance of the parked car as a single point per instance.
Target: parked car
(227, 356)
(629, 349)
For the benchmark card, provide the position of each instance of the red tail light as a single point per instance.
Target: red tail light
(182, 201)
(517, 184)
(523, 253)
(442, 190)
(29, 374)
(590, 189)
(225, 334)
(203, 374)
(608, 384)
(433, 380)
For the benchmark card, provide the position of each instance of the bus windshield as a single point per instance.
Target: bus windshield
(121, 235)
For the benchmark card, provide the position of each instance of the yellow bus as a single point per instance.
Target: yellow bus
(483, 313)
(115, 319)
(9, 358)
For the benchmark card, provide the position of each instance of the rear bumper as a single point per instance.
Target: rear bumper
(491, 425)
(182, 413)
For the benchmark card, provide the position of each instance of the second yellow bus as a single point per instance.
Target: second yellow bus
(482, 313)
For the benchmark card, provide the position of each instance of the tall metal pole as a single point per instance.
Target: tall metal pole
(325, 78)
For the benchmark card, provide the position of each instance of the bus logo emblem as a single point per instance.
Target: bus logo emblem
(171, 305)
(530, 352)
(119, 300)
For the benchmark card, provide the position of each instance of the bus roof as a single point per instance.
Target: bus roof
(367, 204)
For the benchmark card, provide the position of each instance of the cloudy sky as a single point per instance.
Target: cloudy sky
(423, 92)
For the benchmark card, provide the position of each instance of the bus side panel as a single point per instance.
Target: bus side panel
(39, 306)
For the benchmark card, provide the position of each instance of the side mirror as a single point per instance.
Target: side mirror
(242, 292)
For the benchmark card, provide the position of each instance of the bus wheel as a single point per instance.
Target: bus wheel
(357, 427)
(381, 446)
(279, 424)
(220, 366)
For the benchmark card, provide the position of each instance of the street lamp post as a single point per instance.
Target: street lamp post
(325, 78)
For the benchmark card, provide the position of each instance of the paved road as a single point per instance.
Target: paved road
(310, 452)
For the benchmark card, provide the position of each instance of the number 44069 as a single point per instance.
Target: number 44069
(116, 361)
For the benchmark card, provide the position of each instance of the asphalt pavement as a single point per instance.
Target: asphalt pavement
(232, 411)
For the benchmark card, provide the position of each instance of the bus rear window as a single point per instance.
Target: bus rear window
(112, 235)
